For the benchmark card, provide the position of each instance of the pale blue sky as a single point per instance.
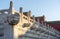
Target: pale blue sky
(49, 8)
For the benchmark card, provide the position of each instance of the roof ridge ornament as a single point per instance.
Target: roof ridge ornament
(11, 7)
(11, 4)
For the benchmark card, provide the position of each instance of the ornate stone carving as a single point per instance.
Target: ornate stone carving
(13, 19)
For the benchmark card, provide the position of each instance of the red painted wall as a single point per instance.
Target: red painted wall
(56, 26)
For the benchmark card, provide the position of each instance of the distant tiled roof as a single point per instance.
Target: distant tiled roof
(53, 22)
(39, 17)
